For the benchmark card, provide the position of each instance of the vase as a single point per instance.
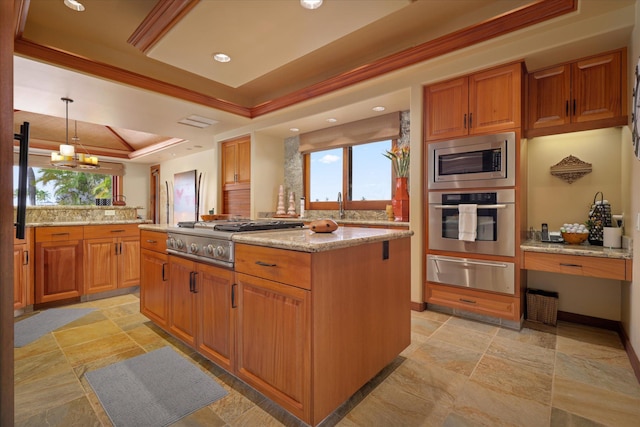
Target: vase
(400, 201)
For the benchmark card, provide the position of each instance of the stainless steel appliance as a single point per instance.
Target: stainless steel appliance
(495, 221)
(211, 242)
(472, 273)
(475, 162)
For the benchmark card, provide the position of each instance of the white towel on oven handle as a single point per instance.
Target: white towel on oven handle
(467, 222)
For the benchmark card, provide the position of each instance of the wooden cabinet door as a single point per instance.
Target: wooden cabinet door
(549, 97)
(215, 330)
(446, 109)
(182, 311)
(101, 265)
(597, 88)
(20, 276)
(495, 98)
(154, 286)
(243, 161)
(58, 270)
(128, 262)
(273, 334)
(229, 154)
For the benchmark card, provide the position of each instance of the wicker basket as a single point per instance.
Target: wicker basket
(542, 306)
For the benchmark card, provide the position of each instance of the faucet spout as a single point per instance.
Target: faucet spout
(340, 206)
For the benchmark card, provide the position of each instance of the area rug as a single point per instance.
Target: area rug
(155, 389)
(32, 328)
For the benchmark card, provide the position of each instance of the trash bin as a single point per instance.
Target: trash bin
(542, 306)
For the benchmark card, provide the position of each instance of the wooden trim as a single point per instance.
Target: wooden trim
(418, 306)
(124, 143)
(582, 319)
(75, 62)
(512, 21)
(164, 15)
(500, 25)
(631, 354)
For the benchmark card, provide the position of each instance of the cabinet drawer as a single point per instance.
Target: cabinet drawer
(280, 265)
(153, 240)
(474, 301)
(111, 230)
(606, 268)
(55, 234)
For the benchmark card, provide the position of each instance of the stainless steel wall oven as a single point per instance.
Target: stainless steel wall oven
(495, 221)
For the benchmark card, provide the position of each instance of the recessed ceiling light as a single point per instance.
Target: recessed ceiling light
(311, 4)
(221, 57)
(75, 5)
(332, 120)
(379, 108)
(294, 129)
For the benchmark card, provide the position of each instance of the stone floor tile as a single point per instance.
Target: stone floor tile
(485, 328)
(595, 403)
(100, 348)
(464, 337)
(560, 418)
(447, 356)
(40, 366)
(520, 352)
(76, 413)
(543, 339)
(81, 334)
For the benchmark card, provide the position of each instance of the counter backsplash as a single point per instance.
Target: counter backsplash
(49, 214)
(360, 215)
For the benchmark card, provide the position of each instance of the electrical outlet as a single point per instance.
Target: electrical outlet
(110, 212)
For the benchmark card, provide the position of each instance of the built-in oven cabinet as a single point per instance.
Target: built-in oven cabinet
(475, 301)
(480, 103)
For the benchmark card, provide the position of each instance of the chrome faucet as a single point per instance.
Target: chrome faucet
(340, 207)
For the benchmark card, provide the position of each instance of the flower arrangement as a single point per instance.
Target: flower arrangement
(399, 157)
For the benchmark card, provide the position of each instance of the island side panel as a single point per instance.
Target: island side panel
(361, 318)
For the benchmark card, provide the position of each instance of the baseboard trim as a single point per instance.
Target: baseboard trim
(418, 306)
(611, 325)
(596, 322)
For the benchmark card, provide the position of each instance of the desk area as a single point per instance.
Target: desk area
(581, 260)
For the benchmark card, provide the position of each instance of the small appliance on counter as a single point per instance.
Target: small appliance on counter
(550, 236)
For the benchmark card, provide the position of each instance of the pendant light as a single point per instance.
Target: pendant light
(66, 157)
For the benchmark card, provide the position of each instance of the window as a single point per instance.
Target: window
(63, 187)
(360, 172)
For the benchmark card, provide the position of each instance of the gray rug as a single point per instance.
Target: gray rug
(32, 328)
(155, 389)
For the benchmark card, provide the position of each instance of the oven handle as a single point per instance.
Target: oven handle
(479, 206)
(483, 263)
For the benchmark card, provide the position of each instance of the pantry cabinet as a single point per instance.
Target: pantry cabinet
(154, 277)
(480, 103)
(236, 176)
(59, 263)
(23, 271)
(580, 95)
(112, 257)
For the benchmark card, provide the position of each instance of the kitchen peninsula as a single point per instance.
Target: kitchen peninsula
(313, 316)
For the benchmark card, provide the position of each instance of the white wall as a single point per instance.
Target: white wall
(136, 187)
(205, 162)
(630, 292)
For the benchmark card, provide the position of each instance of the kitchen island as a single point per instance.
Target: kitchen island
(310, 317)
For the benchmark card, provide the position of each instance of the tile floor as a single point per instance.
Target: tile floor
(455, 373)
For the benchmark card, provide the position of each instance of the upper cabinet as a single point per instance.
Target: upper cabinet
(236, 163)
(585, 94)
(481, 103)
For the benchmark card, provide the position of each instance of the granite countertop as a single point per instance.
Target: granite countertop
(350, 221)
(305, 240)
(580, 250)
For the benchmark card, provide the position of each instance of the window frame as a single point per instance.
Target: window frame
(347, 203)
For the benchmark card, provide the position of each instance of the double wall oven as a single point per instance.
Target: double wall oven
(476, 173)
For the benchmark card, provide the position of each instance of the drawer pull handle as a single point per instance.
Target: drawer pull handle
(117, 231)
(570, 265)
(468, 301)
(60, 234)
(164, 276)
(152, 241)
(265, 264)
(233, 295)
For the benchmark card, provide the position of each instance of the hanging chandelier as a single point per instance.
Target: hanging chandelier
(66, 157)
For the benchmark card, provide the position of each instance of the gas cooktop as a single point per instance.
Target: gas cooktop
(257, 225)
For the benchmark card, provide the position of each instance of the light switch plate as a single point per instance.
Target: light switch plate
(110, 212)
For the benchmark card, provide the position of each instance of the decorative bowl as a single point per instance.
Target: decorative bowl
(575, 238)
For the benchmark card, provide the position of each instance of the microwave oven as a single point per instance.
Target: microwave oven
(474, 162)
